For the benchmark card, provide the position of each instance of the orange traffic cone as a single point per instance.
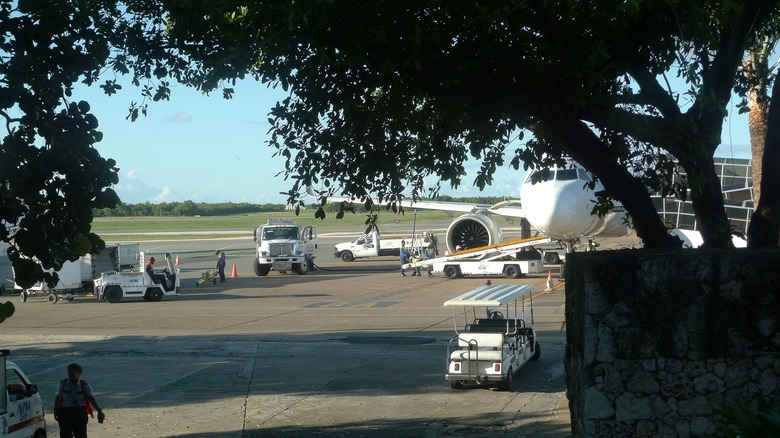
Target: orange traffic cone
(177, 259)
(549, 282)
(235, 272)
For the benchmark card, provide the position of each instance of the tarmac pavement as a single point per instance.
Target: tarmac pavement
(351, 349)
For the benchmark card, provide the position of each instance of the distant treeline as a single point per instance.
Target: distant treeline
(190, 208)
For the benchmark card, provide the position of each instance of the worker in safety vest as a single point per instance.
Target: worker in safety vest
(220, 264)
(404, 255)
(73, 402)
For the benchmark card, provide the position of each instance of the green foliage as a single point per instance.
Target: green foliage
(187, 208)
(383, 97)
(740, 421)
(51, 176)
(7, 310)
(410, 91)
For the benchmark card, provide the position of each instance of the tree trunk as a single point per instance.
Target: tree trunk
(587, 149)
(764, 229)
(707, 200)
(757, 126)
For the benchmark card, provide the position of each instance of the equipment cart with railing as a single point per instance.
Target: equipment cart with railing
(494, 335)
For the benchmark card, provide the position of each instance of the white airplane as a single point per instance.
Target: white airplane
(559, 207)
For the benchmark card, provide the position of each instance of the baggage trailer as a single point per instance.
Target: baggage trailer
(488, 350)
(512, 259)
(76, 277)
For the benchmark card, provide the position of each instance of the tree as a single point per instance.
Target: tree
(754, 84)
(51, 176)
(384, 94)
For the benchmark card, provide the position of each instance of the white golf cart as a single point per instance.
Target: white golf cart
(488, 350)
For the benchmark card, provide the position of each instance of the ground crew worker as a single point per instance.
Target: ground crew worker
(591, 246)
(221, 265)
(404, 257)
(429, 253)
(73, 402)
(150, 269)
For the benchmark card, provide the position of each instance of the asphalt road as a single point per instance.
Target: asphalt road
(351, 349)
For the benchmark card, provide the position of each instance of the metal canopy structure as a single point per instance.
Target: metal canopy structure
(490, 296)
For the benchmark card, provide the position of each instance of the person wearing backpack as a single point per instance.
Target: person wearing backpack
(73, 404)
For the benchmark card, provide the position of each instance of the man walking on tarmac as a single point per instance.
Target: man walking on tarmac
(221, 265)
(73, 402)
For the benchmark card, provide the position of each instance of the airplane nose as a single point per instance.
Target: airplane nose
(559, 213)
(565, 217)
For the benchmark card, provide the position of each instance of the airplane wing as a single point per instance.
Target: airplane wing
(508, 209)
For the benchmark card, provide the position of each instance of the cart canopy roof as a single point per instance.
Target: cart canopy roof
(490, 296)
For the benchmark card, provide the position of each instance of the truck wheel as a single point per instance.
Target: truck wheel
(113, 294)
(52, 298)
(23, 295)
(512, 271)
(456, 384)
(347, 256)
(506, 384)
(261, 270)
(551, 258)
(537, 351)
(301, 268)
(154, 294)
(451, 271)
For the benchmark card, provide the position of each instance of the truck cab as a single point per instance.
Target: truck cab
(284, 246)
(21, 407)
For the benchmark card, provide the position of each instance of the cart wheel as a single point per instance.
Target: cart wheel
(506, 384)
(154, 294)
(69, 298)
(52, 298)
(113, 294)
(456, 384)
(23, 296)
(537, 351)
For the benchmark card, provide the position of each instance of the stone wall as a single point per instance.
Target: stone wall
(658, 341)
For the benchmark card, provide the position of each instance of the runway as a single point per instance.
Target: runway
(351, 349)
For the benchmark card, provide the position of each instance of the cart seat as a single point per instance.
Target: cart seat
(482, 355)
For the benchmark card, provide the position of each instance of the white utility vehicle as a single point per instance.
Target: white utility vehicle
(374, 245)
(21, 407)
(76, 278)
(512, 259)
(114, 286)
(284, 246)
(489, 349)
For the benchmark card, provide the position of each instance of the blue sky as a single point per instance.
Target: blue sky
(208, 149)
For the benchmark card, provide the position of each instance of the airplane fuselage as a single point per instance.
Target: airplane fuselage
(561, 207)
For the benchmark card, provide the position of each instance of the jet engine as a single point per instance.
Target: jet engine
(471, 231)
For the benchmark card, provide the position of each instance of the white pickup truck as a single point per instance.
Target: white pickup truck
(374, 245)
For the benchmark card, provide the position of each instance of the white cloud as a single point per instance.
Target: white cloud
(180, 117)
(165, 195)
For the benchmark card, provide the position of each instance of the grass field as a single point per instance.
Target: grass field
(170, 228)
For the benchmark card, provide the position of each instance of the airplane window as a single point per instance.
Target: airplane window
(530, 174)
(566, 174)
(584, 175)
